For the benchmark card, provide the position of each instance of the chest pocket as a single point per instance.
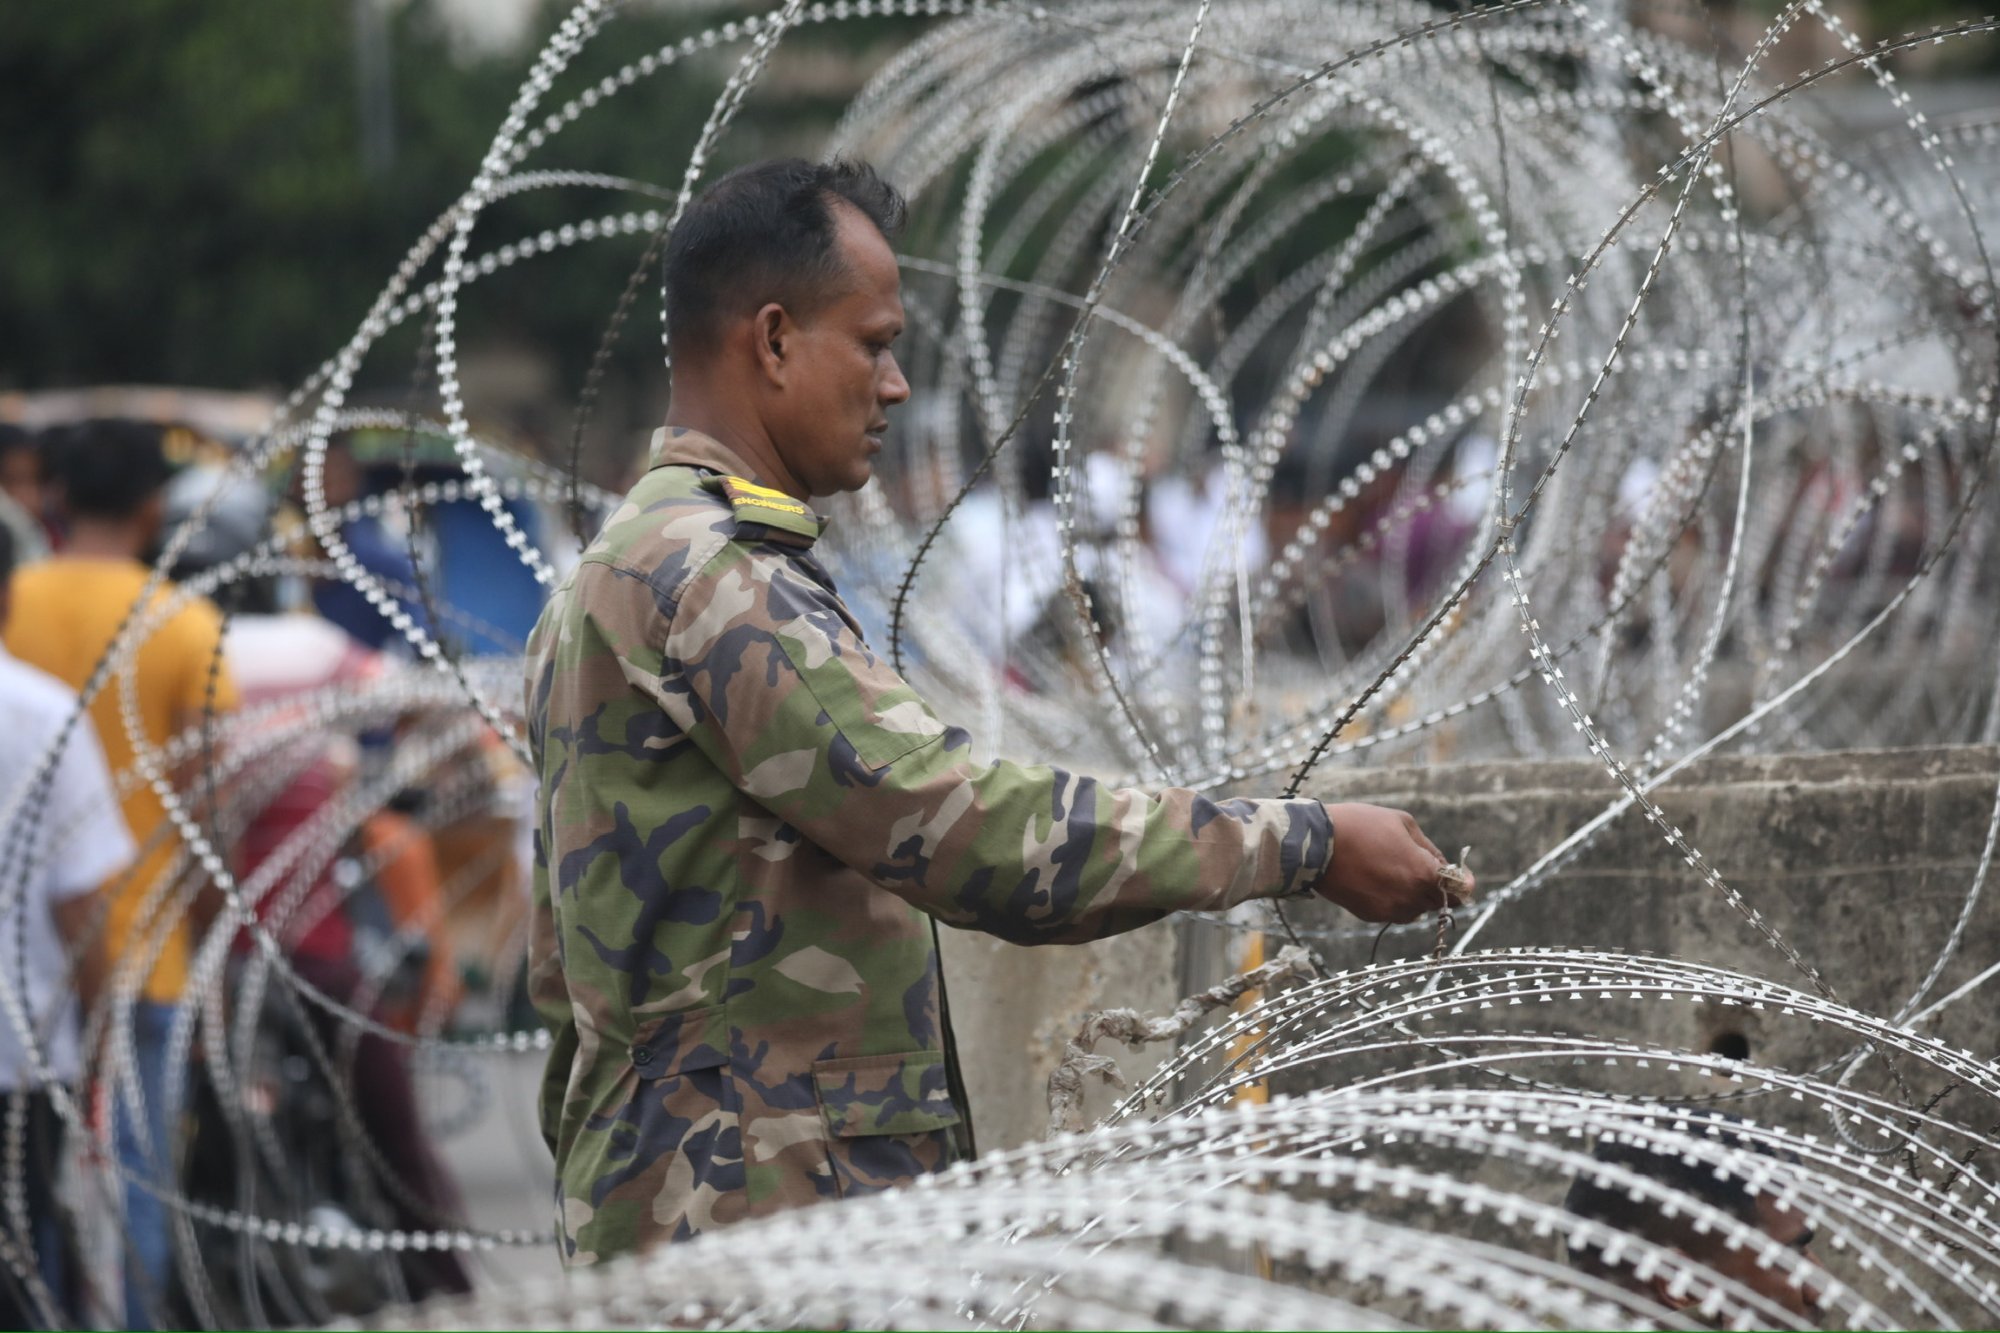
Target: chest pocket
(889, 1118)
(873, 708)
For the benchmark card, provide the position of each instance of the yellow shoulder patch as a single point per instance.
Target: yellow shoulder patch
(748, 493)
(768, 511)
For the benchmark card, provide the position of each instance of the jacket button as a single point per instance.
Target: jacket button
(641, 1056)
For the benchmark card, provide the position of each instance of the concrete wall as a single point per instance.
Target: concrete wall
(1861, 859)
(1013, 1008)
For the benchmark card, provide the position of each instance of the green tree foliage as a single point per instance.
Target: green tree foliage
(185, 196)
(188, 199)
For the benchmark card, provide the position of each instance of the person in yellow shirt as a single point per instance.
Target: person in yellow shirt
(110, 478)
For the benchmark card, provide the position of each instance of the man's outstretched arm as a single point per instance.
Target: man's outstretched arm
(761, 672)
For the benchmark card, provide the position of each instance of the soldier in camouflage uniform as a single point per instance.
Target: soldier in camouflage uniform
(749, 821)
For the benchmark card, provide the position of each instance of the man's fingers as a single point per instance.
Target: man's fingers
(1426, 843)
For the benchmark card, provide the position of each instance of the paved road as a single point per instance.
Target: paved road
(500, 1163)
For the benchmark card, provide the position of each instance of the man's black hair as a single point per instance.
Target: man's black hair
(6, 555)
(1700, 1176)
(110, 467)
(14, 437)
(765, 233)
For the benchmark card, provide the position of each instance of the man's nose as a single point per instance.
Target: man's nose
(894, 388)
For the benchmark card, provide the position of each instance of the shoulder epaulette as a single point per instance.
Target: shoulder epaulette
(768, 508)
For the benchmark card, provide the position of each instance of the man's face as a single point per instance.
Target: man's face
(1786, 1228)
(843, 378)
(341, 478)
(21, 478)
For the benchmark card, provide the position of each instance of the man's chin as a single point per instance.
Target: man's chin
(859, 475)
(852, 480)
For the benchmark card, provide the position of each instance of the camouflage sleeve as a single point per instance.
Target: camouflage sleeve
(548, 991)
(760, 670)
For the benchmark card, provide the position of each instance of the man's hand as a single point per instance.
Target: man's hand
(1383, 867)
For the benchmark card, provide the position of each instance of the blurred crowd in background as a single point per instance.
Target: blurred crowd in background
(101, 902)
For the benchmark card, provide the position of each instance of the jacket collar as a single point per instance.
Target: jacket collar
(755, 504)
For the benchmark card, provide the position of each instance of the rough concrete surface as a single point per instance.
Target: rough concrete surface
(1861, 859)
(1014, 1007)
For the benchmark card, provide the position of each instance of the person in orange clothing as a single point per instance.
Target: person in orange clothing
(109, 479)
(412, 887)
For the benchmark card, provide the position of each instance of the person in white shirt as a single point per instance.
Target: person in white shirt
(61, 839)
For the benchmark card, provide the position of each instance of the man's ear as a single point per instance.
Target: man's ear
(772, 336)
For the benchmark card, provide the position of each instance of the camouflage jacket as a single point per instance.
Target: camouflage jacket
(746, 821)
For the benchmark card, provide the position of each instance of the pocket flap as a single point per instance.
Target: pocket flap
(885, 1094)
(679, 1043)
